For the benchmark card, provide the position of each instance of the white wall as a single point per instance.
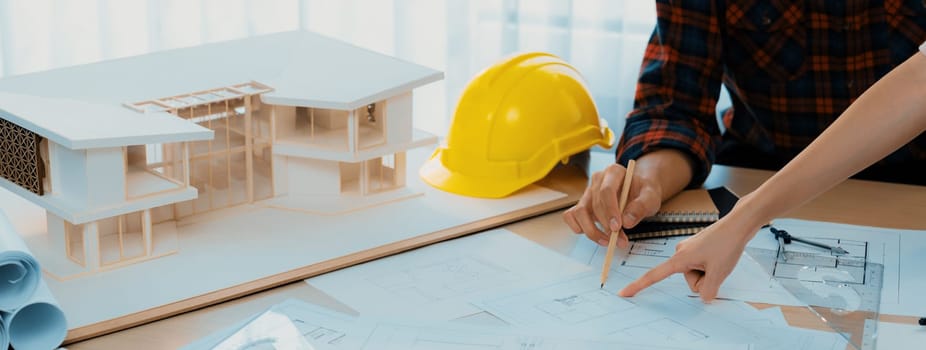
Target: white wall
(105, 176)
(70, 171)
(53, 163)
(313, 177)
(399, 118)
(280, 175)
(56, 236)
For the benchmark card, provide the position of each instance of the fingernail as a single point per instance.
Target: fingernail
(630, 219)
(615, 226)
(602, 242)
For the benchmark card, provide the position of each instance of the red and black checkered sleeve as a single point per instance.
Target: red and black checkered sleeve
(678, 87)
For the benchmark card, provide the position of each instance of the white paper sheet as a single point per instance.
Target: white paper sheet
(326, 329)
(746, 315)
(901, 252)
(771, 324)
(321, 328)
(775, 316)
(437, 282)
(406, 337)
(900, 336)
(19, 271)
(577, 306)
(747, 282)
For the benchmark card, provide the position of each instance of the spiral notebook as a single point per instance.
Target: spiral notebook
(687, 213)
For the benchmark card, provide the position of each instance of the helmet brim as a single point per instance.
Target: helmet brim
(435, 174)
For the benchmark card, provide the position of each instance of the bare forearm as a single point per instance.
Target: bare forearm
(669, 168)
(890, 114)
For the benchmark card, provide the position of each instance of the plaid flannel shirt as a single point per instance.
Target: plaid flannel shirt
(791, 68)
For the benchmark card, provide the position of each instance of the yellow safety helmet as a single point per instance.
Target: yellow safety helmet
(513, 123)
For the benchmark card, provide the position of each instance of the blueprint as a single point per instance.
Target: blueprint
(747, 282)
(899, 252)
(297, 325)
(292, 324)
(406, 337)
(436, 282)
(579, 307)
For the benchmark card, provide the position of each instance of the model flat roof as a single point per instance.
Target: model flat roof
(326, 73)
(81, 125)
(303, 69)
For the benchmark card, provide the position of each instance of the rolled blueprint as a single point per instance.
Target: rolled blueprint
(40, 324)
(19, 272)
(4, 338)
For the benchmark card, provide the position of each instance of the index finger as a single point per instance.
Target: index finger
(656, 274)
(606, 206)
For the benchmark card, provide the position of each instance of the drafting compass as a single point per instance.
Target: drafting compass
(786, 238)
(841, 287)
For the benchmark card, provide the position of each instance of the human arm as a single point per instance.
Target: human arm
(672, 131)
(658, 175)
(888, 115)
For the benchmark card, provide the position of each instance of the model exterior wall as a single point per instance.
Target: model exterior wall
(92, 178)
(52, 169)
(106, 178)
(399, 118)
(312, 176)
(55, 226)
(69, 167)
(339, 131)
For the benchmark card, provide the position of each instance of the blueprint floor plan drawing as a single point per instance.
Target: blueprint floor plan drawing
(576, 306)
(585, 306)
(406, 337)
(579, 305)
(444, 279)
(747, 282)
(436, 282)
(323, 329)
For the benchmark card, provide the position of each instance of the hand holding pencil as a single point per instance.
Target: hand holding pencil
(612, 240)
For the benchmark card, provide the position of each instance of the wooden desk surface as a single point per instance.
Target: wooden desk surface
(853, 202)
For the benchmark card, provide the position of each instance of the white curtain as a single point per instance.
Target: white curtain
(604, 39)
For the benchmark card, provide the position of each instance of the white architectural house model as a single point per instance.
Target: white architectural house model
(293, 120)
(188, 177)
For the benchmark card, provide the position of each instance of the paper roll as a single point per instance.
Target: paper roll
(4, 338)
(40, 324)
(19, 272)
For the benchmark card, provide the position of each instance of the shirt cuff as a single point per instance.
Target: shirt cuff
(923, 48)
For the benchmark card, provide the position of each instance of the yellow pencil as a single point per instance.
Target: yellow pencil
(612, 240)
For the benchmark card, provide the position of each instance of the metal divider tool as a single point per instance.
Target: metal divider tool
(840, 287)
